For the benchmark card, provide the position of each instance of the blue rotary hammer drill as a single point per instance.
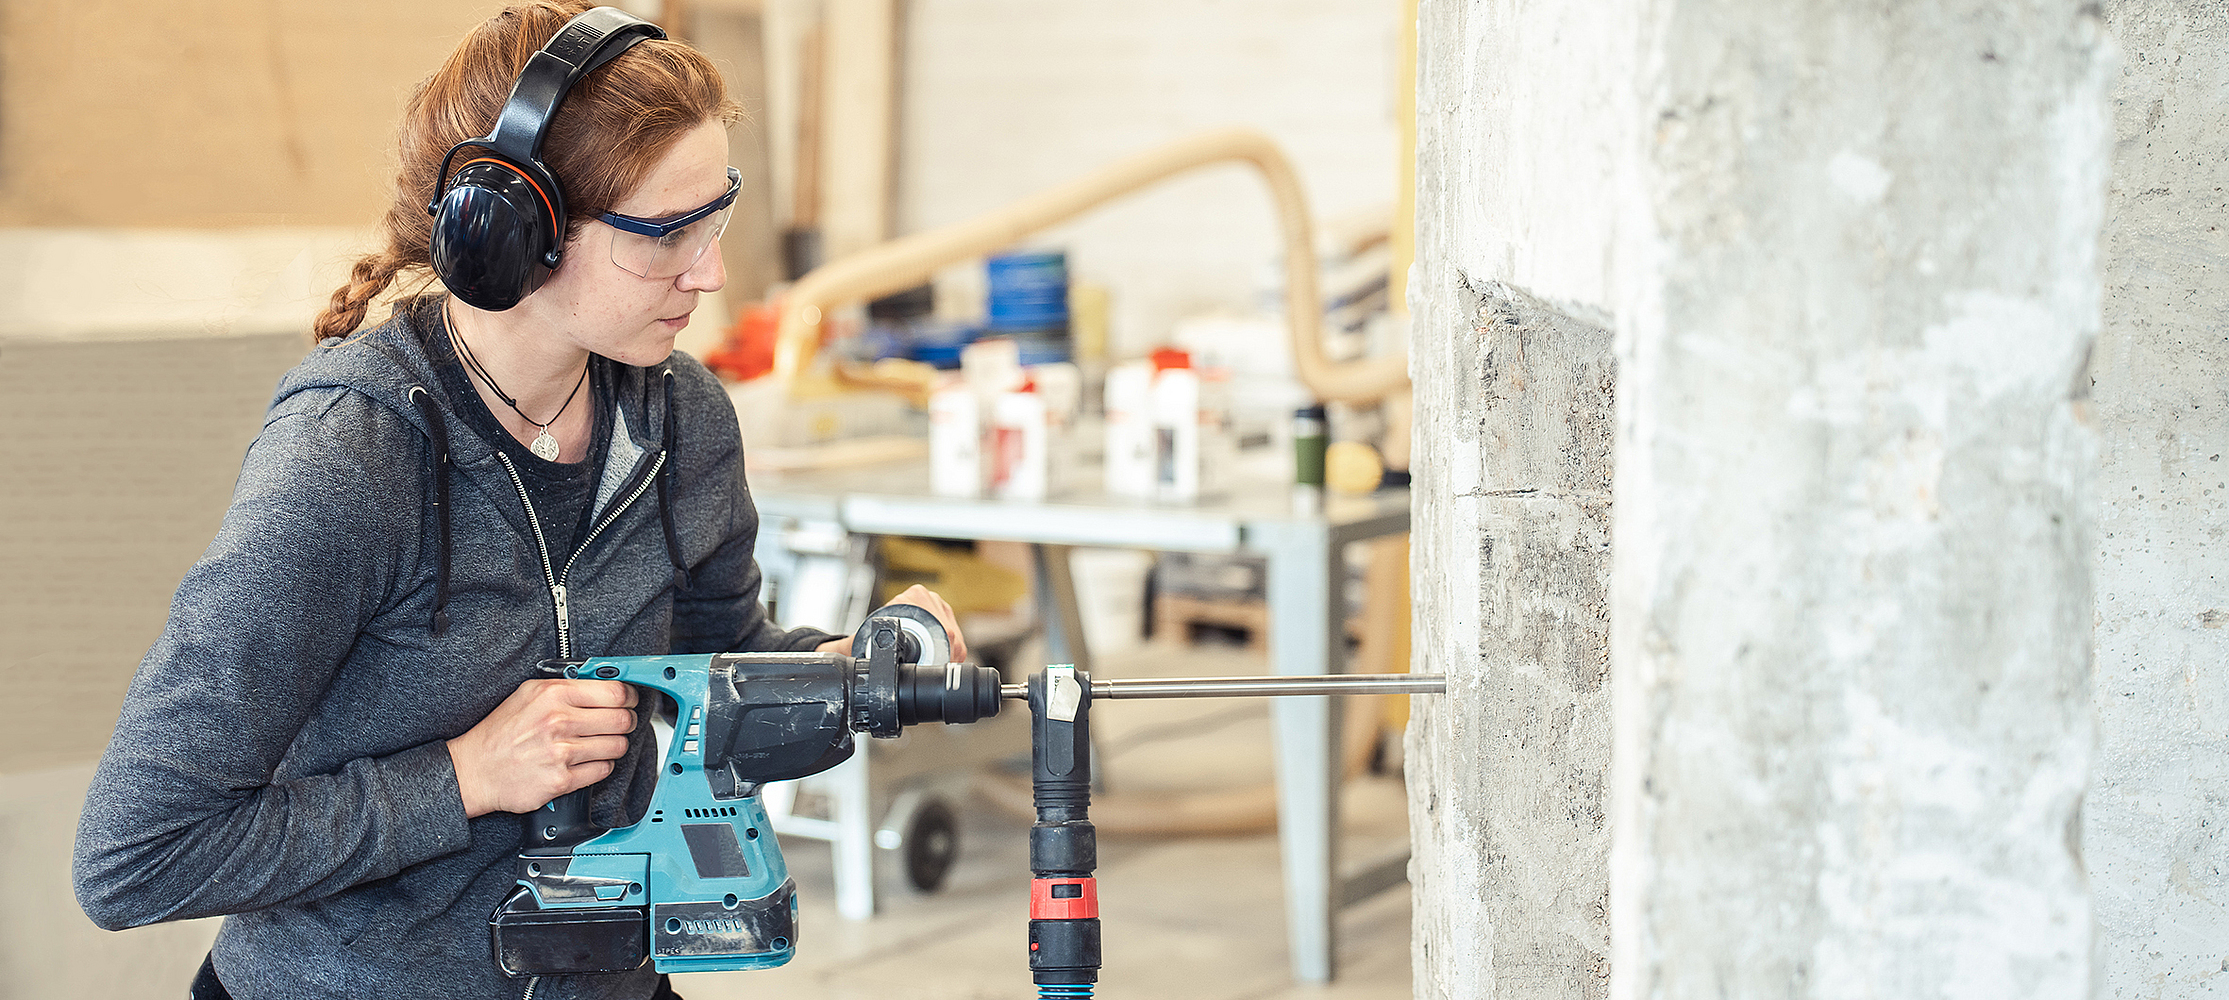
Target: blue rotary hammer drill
(698, 883)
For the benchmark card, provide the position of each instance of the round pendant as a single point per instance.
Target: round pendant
(544, 447)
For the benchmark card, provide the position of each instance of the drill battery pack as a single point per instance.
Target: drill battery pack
(724, 933)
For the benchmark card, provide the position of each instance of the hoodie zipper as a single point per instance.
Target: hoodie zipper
(551, 575)
(657, 462)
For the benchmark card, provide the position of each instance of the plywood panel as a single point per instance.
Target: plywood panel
(227, 112)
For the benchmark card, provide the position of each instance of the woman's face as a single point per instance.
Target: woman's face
(596, 305)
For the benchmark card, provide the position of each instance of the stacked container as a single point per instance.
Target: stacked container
(1028, 303)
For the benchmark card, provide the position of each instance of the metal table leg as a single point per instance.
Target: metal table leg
(1305, 637)
(851, 789)
(1057, 607)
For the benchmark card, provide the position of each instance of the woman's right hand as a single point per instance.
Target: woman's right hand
(548, 738)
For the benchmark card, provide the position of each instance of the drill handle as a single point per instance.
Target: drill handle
(557, 827)
(564, 821)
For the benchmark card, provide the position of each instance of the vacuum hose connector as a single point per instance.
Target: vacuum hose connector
(1063, 846)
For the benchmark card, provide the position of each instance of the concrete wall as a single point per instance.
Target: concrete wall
(2154, 821)
(1849, 253)
(1509, 811)
(1002, 98)
(1522, 130)
(1852, 603)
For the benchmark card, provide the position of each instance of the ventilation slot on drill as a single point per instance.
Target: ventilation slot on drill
(708, 813)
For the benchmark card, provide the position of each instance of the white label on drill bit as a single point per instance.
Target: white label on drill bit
(1062, 693)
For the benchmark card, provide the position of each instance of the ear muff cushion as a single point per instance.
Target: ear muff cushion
(490, 234)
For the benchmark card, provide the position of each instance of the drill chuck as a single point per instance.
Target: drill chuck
(952, 693)
(902, 676)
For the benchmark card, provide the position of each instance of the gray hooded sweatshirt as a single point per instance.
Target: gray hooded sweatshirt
(377, 588)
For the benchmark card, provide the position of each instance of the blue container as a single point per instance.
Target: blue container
(939, 344)
(1026, 269)
(1019, 319)
(1028, 292)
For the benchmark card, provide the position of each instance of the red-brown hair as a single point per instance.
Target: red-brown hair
(611, 131)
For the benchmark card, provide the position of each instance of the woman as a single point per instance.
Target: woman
(333, 738)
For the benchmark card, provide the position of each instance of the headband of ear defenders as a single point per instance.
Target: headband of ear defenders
(583, 44)
(500, 221)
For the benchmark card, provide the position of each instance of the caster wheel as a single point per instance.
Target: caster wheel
(932, 843)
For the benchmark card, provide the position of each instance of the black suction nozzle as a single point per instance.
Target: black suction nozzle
(1063, 845)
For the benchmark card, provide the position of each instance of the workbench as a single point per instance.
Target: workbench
(1301, 534)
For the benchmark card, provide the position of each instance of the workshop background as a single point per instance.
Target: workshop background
(179, 188)
(1889, 342)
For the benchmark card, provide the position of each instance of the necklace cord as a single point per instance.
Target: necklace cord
(473, 363)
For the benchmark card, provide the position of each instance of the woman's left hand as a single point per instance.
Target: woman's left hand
(927, 600)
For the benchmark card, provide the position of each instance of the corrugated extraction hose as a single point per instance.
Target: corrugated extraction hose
(910, 260)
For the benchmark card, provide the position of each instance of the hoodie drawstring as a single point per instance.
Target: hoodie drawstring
(439, 433)
(665, 499)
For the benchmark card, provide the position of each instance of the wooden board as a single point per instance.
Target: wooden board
(229, 112)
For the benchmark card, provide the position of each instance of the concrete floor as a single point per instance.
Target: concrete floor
(1197, 918)
(1184, 917)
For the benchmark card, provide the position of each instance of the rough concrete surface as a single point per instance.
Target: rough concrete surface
(2153, 826)
(1526, 112)
(1508, 772)
(1522, 110)
(1852, 603)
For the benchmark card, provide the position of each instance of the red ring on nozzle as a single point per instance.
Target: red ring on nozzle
(1083, 905)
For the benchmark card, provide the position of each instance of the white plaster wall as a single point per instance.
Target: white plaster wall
(2159, 800)
(1002, 98)
(1851, 608)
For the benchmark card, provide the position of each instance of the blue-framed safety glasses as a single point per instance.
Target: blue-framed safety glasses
(664, 248)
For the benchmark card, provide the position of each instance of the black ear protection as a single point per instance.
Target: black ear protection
(499, 223)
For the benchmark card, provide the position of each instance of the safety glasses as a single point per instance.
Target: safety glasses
(665, 248)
